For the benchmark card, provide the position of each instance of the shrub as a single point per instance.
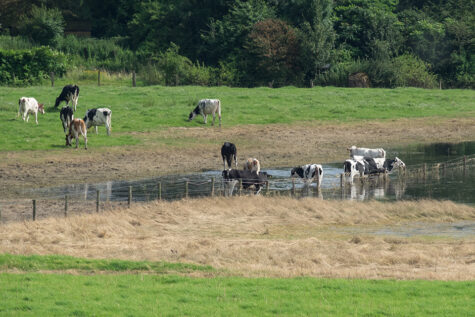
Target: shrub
(43, 26)
(410, 71)
(26, 67)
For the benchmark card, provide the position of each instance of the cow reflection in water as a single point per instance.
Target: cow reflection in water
(375, 188)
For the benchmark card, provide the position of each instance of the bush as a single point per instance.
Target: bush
(43, 26)
(410, 71)
(26, 67)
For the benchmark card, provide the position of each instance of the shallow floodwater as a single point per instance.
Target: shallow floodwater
(453, 182)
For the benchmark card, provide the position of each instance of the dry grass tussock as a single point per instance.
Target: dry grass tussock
(261, 236)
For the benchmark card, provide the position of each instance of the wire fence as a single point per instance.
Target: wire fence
(78, 199)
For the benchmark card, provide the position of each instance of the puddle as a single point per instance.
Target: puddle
(452, 184)
(452, 230)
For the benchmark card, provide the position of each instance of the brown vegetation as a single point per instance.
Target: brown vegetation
(175, 150)
(259, 236)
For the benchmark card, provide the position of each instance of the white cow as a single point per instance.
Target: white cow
(29, 105)
(365, 152)
(206, 107)
(99, 116)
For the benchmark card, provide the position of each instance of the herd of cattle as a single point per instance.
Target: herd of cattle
(72, 127)
(362, 161)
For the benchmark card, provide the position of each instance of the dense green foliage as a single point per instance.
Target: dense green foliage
(25, 67)
(313, 42)
(59, 293)
(43, 26)
(151, 109)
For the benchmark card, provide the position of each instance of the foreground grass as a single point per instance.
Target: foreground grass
(149, 109)
(39, 294)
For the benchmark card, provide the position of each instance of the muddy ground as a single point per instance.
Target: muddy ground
(183, 150)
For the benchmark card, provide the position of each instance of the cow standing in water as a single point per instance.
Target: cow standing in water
(206, 107)
(308, 173)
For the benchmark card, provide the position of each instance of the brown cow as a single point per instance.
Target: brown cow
(76, 127)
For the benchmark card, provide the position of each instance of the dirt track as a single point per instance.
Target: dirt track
(178, 150)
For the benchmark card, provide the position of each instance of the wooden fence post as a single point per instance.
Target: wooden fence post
(240, 186)
(34, 209)
(130, 196)
(267, 189)
(160, 191)
(424, 171)
(212, 186)
(186, 189)
(65, 205)
(97, 200)
(51, 76)
(464, 164)
(98, 77)
(134, 79)
(292, 191)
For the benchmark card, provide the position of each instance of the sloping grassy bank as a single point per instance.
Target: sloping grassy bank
(59, 293)
(150, 109)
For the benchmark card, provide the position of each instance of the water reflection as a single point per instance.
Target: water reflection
(448, 181)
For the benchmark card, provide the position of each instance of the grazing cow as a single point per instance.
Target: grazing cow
(69, 93)
(381, 165)
(308, 172)
(77, 127)
(252, 164)
(228, 152)
(206, 107)
(97, 117)
(66, 115)
(369, 165)
(29, 105)
(249, 178)
(365, 152)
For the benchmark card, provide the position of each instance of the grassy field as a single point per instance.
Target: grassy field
(141, 110)
(109, 292)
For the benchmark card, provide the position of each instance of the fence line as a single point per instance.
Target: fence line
(183, 187)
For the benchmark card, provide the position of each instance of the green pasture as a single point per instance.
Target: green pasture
(149, 109)
(102, 291)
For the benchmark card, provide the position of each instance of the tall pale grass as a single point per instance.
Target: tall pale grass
(257, 236)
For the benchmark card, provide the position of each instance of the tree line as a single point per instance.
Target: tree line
(268, 42)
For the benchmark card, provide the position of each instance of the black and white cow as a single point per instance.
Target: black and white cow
(206, 107)
(97, 117)
(228, 152)
(69, 93)
(308, 173)
(249, 178)
(381, 165)
(370, 165)
(66, 115)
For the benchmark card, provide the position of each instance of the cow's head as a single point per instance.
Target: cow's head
(194, 113)
(41, 108)
(225, 174)
(398, 163)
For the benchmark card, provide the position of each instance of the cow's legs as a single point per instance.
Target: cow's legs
(108, 128)
(205, 116)
(96, 129)
(219, 116)
(85, 139)
(36, 117)
(235, 161)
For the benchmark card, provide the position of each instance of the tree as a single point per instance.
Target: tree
(43, 26)
(317, 35)
(225, 38)
(273, 49)
(368, 28)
